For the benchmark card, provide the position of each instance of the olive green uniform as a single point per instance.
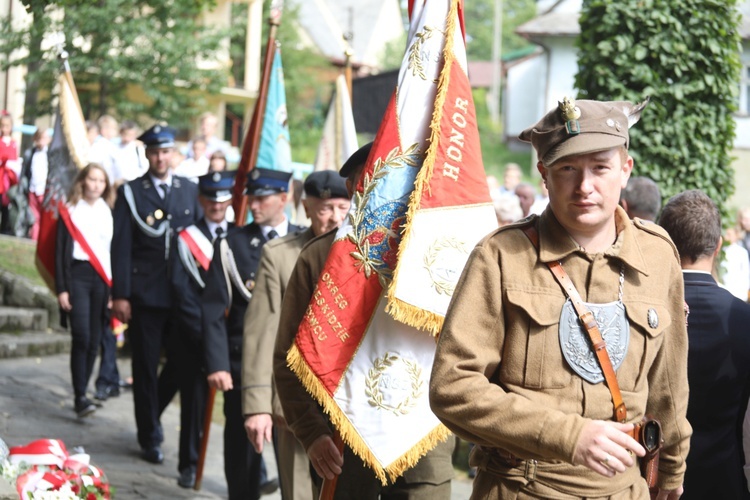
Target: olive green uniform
(259, 336)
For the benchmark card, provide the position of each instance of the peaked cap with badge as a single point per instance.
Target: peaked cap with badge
(216, 186)
(264, 182)
(582, 127)
(158, 136)
(325, 184)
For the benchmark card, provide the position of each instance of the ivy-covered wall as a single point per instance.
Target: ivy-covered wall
(684, 54)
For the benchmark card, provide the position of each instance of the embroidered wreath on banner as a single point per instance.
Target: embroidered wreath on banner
(415, 51)
(372, 384)
(441, 281)
(376, 232)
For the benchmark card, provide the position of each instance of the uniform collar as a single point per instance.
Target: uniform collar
(555, 243)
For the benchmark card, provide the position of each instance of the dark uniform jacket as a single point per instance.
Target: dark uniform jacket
(223, 336)
(718, 371)
(140, 265)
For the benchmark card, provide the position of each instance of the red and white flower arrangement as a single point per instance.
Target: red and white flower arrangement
(44, 470)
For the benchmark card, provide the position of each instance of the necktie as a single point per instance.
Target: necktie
(165, 188)
(218, 232)
(272, 234)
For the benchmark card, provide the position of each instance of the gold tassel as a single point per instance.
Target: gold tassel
(296, 362)
(398, 309)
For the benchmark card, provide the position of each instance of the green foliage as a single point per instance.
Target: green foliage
(684, 54)
(117, 44)
(479, 18)
(307, 77)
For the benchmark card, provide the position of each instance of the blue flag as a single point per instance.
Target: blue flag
(275, 150)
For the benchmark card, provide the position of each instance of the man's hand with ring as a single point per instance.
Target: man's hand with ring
(605, 448)
(325, 457)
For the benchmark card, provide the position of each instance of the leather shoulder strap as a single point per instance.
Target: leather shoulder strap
(589, 322)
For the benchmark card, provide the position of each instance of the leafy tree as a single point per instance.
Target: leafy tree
(307, 77)
(684, 54)
(479, 17)
(115, 45)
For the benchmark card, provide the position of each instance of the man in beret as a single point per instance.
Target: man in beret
(230, 284)
(514, 370)
(150, 211)
(430, 478)
(326, 203)
(184, 370)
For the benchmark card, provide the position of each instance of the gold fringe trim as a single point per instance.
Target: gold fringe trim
(296, 362)
(401, 311)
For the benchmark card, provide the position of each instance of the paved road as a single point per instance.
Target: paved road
(36, 402)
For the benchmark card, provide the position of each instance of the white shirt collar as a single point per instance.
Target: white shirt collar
(213, 225)
(282, 229)
(156, 181)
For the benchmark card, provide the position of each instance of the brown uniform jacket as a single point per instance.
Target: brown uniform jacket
(500, 379)
(303, 415)
(262, 320)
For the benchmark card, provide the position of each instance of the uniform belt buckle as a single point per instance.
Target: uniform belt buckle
(530, 473)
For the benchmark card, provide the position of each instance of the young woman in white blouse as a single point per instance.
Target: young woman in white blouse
(83, 274)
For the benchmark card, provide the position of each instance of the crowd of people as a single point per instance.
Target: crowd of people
(214, 306)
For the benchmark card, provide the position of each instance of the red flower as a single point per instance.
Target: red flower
(76, 488)
(91, 496)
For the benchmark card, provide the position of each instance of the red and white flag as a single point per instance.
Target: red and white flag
(67, 153)
(450, 209)
(368, 371)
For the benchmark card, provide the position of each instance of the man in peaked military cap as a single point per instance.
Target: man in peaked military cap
(184, 370)
(326, 203)
(229, 286)
(150, 211)
(514, 370)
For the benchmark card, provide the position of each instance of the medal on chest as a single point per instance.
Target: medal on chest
(575, 343)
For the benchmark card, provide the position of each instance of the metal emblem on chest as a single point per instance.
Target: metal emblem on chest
(575, 343)
(653, 318)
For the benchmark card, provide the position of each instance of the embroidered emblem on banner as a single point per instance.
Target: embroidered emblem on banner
(576, 346)
(394, 384)
(439, 262)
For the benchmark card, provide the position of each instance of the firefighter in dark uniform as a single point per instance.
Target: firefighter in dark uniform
(229, 285)
(149, 212)
(185, 367)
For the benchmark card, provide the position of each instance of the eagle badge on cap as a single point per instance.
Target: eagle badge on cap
(570, 113)
(216, 177)
(254, 174)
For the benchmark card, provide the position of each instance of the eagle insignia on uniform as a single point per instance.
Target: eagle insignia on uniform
(216, 177)
(570, 113)
(325, 194)
(255, 242)
(254, 174)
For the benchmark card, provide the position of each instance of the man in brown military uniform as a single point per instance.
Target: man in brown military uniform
(514, 371)
(326, 204)
(428, 479)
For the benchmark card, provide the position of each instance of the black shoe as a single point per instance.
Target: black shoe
(153, 455)
(113, 391)
(84, 407)
(101, 394)
(124, 384)
(269, 486)
(187, 478)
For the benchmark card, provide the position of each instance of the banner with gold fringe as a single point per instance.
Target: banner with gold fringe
(369, 372)
(450, 209)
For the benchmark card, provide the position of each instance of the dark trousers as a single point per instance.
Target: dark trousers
(88, 297)
(109, 376)
(183, 372)
(5, 220)
(242, 464)
(149, 327)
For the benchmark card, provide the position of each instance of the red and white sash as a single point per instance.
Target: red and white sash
(96, 261)
(200, 247)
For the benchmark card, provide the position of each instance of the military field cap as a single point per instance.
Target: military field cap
(264, 181)
(158, 136)
(216, 186)
(326, 184)
(355, 160)
(582, 127)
